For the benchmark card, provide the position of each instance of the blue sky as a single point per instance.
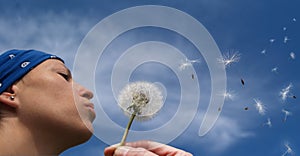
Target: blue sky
(256, 30)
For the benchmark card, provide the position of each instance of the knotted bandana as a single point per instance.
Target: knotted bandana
(14, 64)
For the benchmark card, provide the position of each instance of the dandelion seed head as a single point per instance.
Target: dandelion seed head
(141, 98)
(229, 58)
(260, 107)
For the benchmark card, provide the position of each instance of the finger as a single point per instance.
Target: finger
(130, 151)
(145, 144)
(109, 151)
(158, 148)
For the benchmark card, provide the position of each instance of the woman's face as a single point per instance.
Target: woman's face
(51, 102)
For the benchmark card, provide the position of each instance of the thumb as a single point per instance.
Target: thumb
(130, 151)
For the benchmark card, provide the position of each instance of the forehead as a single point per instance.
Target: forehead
(50, 64)
(42, 71)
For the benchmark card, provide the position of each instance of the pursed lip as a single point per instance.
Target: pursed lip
(91, 109)
(90, 105)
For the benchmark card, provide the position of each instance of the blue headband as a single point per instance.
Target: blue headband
(14, 64)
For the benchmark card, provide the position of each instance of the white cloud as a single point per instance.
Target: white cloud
(225, 133)
(50, 32)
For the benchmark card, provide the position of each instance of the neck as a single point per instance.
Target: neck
(16, 139)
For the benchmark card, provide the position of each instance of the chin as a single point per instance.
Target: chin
(88, 124)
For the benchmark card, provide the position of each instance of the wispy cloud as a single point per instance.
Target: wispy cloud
(226, 133)
(55, 33)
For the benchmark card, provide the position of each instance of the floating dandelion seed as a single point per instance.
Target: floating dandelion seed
(286, 114)
(294, 19)
(285, 92)
(274, 70)
(264, 51)
(288, 149)
(268, 123)
(194, 61)
(285, 39)
(242, 81)
(260, 107)
(229, 58)
(292, 55)
(228, 95)
(284, 28)
(187, 63)
(141, 100)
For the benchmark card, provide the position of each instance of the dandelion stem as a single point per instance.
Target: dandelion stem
(122, 143)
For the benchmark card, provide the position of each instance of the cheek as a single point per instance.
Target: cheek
(51, 103)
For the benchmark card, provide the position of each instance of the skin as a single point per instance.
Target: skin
(145, 148)
(50, 112)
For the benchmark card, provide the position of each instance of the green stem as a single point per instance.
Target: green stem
(122, 143)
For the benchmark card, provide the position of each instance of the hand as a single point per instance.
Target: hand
(144, 148)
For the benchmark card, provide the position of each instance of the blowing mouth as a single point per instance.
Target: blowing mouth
(90, 105)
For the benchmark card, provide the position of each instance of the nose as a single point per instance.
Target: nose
(83, 92)
(87, 94)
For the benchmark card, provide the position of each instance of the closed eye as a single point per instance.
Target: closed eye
(65, 76)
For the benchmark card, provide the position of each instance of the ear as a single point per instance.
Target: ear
(8, 98)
